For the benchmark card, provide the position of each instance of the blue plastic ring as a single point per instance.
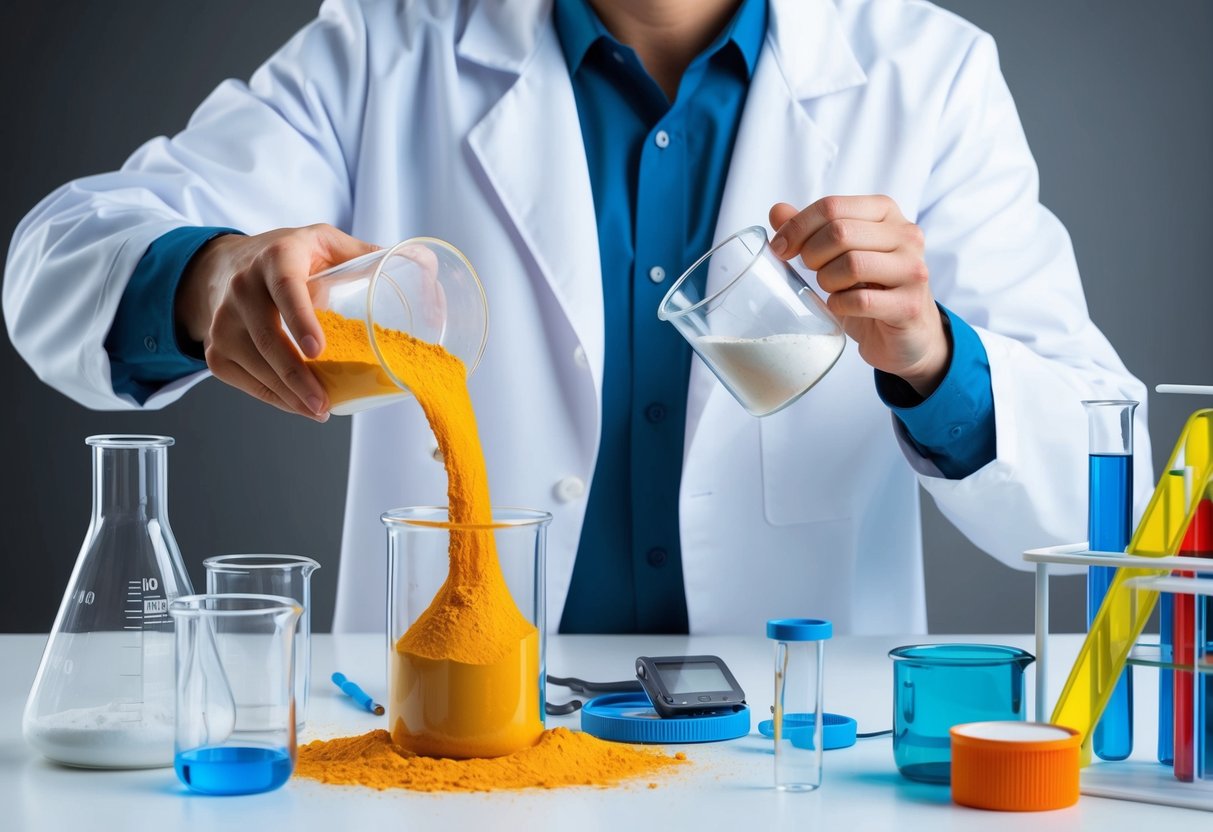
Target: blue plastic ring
(799, 629)
(837, 731)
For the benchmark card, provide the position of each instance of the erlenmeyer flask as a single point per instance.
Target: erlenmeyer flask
(103, 696)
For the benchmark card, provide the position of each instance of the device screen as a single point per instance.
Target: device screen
(692, 677)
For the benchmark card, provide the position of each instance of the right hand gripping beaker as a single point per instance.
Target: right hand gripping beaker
(103, 695)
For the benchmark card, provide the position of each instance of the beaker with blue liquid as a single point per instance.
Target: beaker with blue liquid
(936, 686)
(235, 725)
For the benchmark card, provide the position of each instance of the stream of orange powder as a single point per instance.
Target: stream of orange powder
(464, 676)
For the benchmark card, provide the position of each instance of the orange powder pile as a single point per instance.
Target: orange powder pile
(560, 758)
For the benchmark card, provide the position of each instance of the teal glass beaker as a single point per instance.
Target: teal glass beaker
(936, 686)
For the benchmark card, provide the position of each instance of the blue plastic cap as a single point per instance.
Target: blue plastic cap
(799, 629)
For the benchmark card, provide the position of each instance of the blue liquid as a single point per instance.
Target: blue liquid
(233, 770)
(1108, 519)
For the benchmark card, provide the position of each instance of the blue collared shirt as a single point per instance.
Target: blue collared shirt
(657, 169)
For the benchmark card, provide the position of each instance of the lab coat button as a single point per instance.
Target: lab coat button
(436, 453)
(656, 557)
(655, 412)
(657, 274)
(662, 139)
(579, 357)
(569, 488)
(150, 343)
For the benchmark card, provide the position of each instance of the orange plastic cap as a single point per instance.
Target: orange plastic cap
(1015, 766)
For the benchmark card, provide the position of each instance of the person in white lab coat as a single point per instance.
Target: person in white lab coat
(876, 136)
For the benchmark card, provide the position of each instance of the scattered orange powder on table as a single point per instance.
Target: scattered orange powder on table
(560, 758)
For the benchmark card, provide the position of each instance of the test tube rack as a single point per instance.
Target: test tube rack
(1140, 780)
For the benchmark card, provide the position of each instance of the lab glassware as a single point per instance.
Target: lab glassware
(799, 677)
(103, 694)
(936, 686)
(1191, 695)
(288, 575)
(422, 286)
(235, 692)
(448, 708)
(755, 323)
(1109, 524)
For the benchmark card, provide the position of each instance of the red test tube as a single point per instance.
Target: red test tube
(1198, 542)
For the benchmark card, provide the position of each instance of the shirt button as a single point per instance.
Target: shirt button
(150, 343)
(655, 412)
(662, 139)
(656, 557)
(657, 274)
(569, 489)
(618, 56)
(436, 453)
(579, 357)
(956, 431)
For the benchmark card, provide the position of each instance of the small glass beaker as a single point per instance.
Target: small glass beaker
(235, 692)
(287, 575)
(799, 678)
(936, 686)
(103, 695)
(758, 326)
(422, 286)
(466, 652)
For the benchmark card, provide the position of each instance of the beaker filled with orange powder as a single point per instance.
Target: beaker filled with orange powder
(466, 625)
(424, 287)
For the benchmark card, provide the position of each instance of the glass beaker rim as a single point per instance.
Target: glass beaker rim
(662, 309)
(425, 517)
(129, 440)
(978, 655)
(370, 304)
(241, 562)
(258, 604)
(1110, 403)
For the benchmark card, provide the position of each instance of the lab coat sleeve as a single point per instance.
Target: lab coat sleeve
(272, 153)
(1004, 263)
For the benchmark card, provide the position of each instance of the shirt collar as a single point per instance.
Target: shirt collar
(579, 28)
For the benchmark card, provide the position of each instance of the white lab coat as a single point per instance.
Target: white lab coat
(457, 120)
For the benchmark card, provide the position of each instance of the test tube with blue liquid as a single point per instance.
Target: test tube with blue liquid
(1109, 526)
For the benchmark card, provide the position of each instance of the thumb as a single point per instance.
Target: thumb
(781, 212)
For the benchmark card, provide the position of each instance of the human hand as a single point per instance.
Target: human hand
(870, 259)
(234, 296)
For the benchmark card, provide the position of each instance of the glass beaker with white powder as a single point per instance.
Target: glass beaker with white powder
(755, 322)
(103, 695)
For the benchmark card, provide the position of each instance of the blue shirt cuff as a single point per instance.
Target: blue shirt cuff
(145, 349)
(954, 426)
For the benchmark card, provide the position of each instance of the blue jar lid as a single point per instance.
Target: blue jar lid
(799, 629)
(837, 730)
(629, 717)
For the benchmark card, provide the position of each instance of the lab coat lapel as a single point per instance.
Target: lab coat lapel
(530, 148)
(780, 154)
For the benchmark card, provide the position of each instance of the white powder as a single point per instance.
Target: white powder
(765, 373)
(108, 736)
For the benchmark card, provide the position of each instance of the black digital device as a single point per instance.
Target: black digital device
(689, 685)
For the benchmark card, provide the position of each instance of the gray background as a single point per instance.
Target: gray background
(1116, 98)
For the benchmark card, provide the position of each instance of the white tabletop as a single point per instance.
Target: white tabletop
(728, 785)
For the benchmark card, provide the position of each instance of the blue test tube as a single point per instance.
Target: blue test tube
(1109, 521)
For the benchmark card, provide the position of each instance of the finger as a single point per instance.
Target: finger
(245, 354)
(795, 230)
(883, 270)
(270, 342)
(335, 246)
(229, 372)
(286, 268)
(837, 237)
(895, 307)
